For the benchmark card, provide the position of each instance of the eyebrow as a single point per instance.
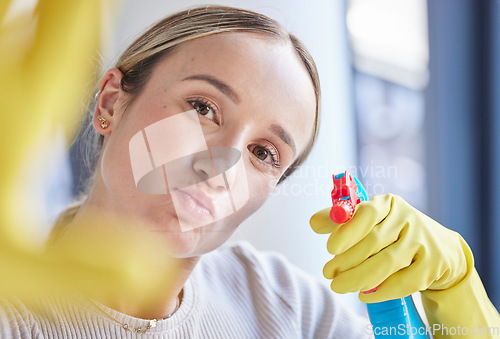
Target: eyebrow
(227, 90)
(219, 84)
(284, 135)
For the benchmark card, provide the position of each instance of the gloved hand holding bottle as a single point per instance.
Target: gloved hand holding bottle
(390, 245)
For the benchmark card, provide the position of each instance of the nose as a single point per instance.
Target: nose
(211, 166)
(204, 168)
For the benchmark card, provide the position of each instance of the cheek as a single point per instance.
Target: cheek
(116, 171)
(260, 189)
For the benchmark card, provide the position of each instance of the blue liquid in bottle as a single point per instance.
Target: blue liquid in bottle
(397, 318)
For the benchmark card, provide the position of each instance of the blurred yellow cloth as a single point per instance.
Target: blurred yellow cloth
(46, 70)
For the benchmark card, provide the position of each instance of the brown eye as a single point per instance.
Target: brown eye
(260, 152)
(206, 109)
(201, 108)
(266, 155)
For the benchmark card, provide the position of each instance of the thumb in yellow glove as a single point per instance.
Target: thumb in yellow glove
(390, 245)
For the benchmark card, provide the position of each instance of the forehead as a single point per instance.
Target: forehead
(266, 73)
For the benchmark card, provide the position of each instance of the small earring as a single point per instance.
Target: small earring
(104, 122)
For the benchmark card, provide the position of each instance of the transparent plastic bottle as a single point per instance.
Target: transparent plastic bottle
(397, 318)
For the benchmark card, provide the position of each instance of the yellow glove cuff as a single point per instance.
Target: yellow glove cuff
(464, 309)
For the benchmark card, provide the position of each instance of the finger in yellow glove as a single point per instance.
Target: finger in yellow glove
(389, 244)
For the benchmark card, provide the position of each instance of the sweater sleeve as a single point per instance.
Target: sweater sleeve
(319, 312)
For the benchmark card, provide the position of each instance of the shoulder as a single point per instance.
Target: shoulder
(270, 270)
(16, 321)
(286, 291)
(49, 315)
(242, 254)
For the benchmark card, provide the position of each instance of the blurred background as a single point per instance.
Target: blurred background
(409, 106)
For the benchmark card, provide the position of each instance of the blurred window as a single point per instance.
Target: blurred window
(390, 62)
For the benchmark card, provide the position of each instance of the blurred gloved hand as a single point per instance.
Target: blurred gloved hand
(390, 244)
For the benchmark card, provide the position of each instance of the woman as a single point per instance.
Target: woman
(201, 118)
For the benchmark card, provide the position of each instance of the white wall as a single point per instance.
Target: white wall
(282, 224)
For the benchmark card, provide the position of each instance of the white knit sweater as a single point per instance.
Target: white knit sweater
(234, 292)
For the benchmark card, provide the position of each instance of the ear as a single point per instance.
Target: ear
(107, 99)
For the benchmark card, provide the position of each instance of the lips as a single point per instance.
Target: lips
(198, 201)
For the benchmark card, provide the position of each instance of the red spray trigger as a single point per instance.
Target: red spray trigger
(341, 211)
(344, 197)
(344, 200)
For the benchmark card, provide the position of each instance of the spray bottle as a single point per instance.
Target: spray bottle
(397, 318)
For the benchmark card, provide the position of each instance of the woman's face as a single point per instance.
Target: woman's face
(221, 119)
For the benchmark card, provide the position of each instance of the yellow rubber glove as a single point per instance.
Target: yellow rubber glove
(390, 245)
(45, 68)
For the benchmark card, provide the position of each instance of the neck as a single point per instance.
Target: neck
(164, 301)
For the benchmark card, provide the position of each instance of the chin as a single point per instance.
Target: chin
(200, 240)
(194, 240)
